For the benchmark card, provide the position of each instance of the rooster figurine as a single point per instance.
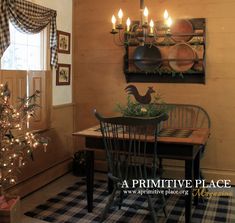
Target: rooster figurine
(146, 99)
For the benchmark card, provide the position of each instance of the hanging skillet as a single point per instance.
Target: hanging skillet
(147, 58)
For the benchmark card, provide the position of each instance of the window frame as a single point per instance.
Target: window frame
(44, 53)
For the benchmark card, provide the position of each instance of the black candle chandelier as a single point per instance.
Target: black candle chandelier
(139, 32)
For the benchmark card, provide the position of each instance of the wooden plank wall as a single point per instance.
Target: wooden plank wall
(99, 80)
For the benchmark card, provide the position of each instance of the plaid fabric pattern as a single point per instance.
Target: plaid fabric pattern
(69, 206)
(27, 17)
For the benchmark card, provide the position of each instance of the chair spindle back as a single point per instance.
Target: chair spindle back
(127, 146)
(186, 116)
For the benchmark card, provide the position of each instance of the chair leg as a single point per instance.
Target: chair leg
(121, 199)
(108, 205)
(152, 210)
(164, 210)
(163, 200)
(160, 167)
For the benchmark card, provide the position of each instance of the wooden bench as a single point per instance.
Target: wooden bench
(183, 116)
(186, 116)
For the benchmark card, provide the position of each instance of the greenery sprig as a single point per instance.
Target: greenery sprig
(135, 109)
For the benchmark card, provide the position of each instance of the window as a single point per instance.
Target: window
(23, 67)
(26, 51)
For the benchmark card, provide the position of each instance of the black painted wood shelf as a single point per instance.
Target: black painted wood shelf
(159, 75)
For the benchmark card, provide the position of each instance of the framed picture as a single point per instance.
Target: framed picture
(63, 74)
(63, 43)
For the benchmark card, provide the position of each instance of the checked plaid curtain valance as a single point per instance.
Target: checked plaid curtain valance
(28, 18)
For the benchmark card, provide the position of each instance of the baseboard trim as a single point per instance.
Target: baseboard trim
(63, 106)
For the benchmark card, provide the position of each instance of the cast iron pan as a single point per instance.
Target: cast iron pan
(147, 58)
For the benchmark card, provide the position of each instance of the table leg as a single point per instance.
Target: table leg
(110, 186)
(160, 166)
(188, 198)
(90, 179)
(197, 173)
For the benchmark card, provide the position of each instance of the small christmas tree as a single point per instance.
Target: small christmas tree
(16, 144)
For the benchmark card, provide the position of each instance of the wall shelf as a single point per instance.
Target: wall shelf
(164, 72)
(196, 78)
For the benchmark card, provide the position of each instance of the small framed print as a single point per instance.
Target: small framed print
(63, 74)
(63, 42)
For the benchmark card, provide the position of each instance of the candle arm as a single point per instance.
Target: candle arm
(141, 4)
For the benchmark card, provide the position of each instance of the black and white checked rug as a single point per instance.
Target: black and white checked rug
(69, 206)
